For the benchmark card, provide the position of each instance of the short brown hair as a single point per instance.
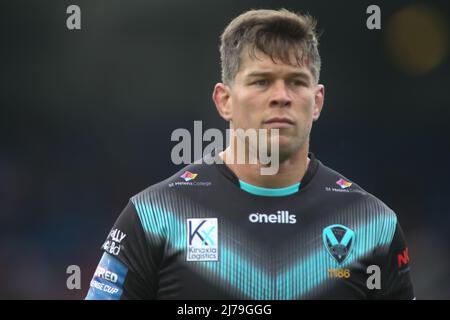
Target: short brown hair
(273, 32)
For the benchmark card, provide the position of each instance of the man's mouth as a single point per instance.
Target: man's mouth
(278, 123)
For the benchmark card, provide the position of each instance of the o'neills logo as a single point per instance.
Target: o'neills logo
(281, 216)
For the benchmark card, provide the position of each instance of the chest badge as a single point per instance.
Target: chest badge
(202, 239)
(338, 240)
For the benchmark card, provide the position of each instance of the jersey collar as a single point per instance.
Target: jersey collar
(270, 192)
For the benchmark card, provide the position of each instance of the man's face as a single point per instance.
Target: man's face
(268, 95)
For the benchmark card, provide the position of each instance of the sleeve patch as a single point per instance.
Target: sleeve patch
(108, 280)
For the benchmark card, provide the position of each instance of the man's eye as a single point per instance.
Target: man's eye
(298, 82)
(261, 82)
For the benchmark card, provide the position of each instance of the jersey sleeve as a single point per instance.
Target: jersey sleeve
(395, 271)
(128, 268)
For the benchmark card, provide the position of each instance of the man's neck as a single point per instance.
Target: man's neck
(290, 171)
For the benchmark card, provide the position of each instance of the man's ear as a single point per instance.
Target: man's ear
(221, 97)
(318, 101)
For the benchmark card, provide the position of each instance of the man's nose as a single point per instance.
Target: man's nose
(280, 95)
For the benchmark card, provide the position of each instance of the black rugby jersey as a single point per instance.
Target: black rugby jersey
(203, 234)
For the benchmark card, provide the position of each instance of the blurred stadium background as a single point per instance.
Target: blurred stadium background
(86, 118)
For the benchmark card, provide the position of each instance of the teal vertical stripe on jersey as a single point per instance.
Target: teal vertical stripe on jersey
(241, 274)
(320, 261)
(269, 192)
(259, 279)
(232, 268)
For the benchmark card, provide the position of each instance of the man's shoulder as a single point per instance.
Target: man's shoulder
(334, 182)
(165, 202)
(193, 173)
